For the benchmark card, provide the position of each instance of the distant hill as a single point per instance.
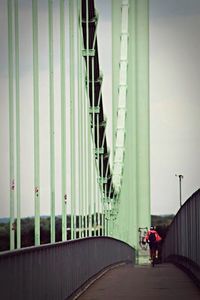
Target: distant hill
(156, 220)
(4, 220)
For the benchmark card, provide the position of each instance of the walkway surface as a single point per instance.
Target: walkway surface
(165, 282)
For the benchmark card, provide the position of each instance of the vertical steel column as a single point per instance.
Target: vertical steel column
(125, 128)
(63, 118)
(80, 117)
(116, 17)
(11, 122)
(98, 184)
(130, 174)
(18, 185)
(129, 192)
(88, 118)
(102, 195)
(121, 149)
(51, 113)
(93, 183)
(72, 121)
(85, 154)
(142, 82)
(84, 178)
(36, 120)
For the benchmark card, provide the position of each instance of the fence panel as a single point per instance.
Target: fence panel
(55, 271)
(182, 243)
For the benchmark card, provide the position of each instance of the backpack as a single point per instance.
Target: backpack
(152, 237)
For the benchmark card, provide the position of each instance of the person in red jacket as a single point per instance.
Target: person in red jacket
(153, 238)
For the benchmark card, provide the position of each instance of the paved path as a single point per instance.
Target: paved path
(164, 282)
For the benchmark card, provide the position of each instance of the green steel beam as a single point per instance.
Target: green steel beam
(17, 126)
(93, 151)
(83, 151)
(98, 186)
(102, 197)
(72, 121)
(142, 81)
(36, 120)
(116, 16)
(80, 121)
(11, 122)
(51, 113)
(63, 119)
(85, 139)
(89, 121)
(120, 145)
(135, 192)
(130, 161)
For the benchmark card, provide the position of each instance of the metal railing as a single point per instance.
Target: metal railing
(182, 243)
(56, 271)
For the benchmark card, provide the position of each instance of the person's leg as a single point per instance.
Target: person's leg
(151, 251)
(156, 250)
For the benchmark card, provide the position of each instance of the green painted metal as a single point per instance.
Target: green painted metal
(142, 81)
(11, 122)
(36, 120)
(120, 143)
(72, 122)
(85, 148)
(94, 183)
(82, 128)
(63, 119)
(122, 212)
(17, 92)
(88, 125)
(80, 117)
(116, 16)
(98, 186)
(135, 194)
(102, 196)
(51, 113)
(83, 161)
(89, 175)
(130, 163)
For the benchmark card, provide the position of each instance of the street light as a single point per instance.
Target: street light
(180, 178)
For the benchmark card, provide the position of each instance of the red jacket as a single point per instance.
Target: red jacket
(158, 238)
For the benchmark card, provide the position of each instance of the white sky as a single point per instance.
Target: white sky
(174, 101)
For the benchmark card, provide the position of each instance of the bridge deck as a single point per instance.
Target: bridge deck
(164, 282)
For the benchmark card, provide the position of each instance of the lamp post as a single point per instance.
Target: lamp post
(180, 178)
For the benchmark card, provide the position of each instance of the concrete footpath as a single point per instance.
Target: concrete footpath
(165, 282)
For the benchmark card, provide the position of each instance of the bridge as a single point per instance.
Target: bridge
(99, 181)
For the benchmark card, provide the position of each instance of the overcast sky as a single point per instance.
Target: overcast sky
(174, 100)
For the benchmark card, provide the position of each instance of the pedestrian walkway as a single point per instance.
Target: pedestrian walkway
(165, 282)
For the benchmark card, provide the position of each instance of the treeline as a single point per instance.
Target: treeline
(162, 223)
(27, 230)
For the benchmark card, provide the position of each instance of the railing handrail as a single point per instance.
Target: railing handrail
(7, 253)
